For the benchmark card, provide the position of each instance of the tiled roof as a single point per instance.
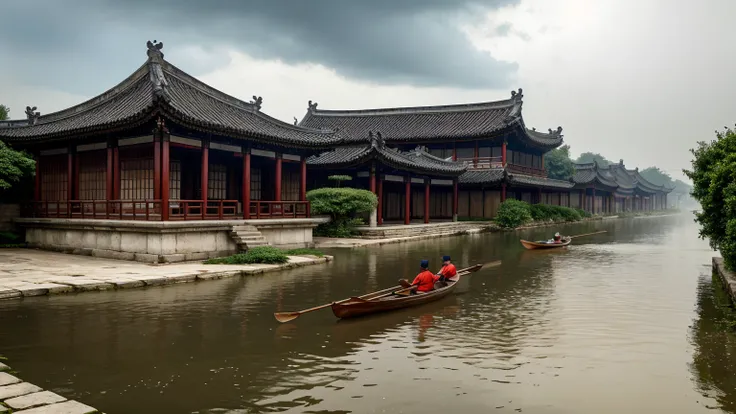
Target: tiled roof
(589, 173)
(428, 123)
(615, 176)
(488, 176)
(497, 175)
(645, 185)
(158, 87)
(418, 160)
(545, 182)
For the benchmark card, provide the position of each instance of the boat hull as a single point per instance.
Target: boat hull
(534, 245)
(356, 308)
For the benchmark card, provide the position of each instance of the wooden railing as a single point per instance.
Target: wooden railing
(523, 169)
(279, 209)
(482, 162)
(151, 209)
(96, 209)
(192, 210)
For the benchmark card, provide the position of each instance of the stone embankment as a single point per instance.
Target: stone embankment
(19, 397)
(29, 272)
(728, 278)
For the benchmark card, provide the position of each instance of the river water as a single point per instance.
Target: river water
(620, 322)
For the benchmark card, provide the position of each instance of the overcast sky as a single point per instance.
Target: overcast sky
(641, 80)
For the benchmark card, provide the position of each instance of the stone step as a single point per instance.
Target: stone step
(244, 227)
(245, 233)
(242, 241)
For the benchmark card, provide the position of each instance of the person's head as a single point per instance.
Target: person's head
(446, 259)
(557, 235)
(424, 264)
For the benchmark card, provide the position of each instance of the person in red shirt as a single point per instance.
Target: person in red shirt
(448, 272)
(425, 279)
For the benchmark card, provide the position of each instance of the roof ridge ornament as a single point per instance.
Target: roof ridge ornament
(257, 102)
(377, 140)
(517, 95)
(556, 132)
(295, 121)
(31, 115)
(312, 106)
(420, 150)
(155, 58)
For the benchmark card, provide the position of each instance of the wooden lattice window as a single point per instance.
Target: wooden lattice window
(54, 177)
(92, 175)
(136, 178)
(255, 183)
(175, 180)
(290, 185)
(217, 182)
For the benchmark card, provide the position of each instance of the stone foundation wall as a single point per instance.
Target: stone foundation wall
(8, 214)
(158, 242)
(727, 277)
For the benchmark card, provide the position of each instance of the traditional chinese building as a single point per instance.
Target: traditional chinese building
(502, 156)
(162, 147)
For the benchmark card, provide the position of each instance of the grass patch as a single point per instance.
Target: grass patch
(256, 255)
(303, 252)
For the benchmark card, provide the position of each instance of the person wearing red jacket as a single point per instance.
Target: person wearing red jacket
(425, 279)
(448, 272)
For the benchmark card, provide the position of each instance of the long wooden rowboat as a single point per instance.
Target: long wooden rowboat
(360, 307)
(542, 245)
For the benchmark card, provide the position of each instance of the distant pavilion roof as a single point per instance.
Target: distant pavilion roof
(158, 88)
(435, 123)
(615, 177)
(374, 149)
(499, 175)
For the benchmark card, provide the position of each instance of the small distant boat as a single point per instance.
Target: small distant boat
(545, 245)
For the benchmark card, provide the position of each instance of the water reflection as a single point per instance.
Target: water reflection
(606, 318)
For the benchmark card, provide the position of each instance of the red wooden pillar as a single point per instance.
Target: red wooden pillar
(584, 199)
(75, 185)
(539, 196)
(109, 190)
(503, 154)
(427, 182)
(157, 163)
(204, 184)
(303, 176)
(116, 173)
(37, 188)
(454, 151)
(503, 192)
(594, 200)
(69, 175)
(475, 154)
(246, 183)
(454, 199)
(379, 208)
(278, 177)
(407, 201)
(372, 179)
(165, 169)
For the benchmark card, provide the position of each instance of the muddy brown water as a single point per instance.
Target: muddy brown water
(623, 322)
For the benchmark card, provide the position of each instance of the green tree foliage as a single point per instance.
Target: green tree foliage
(656, 176)
(4, 113)
(513, 213)
(343, 205)
(587, 157)
(558, 163)
(14, 165)
(714, 185)
(339, 179)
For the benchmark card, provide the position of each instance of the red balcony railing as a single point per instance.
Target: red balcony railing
(279, 209)
(151, 209)
(482, 162)
(523, 169)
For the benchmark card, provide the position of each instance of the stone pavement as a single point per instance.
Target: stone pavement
(25, 398)
(29, 272)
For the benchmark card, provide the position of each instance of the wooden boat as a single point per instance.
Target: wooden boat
(355, 307)
(544, 245)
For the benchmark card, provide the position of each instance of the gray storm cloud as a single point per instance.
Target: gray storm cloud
(415, 42)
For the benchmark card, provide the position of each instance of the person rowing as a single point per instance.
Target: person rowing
(448, 272)
(556, 240)
(425, 279)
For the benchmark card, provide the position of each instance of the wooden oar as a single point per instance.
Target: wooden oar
(290, 316)
(461, 272)
(587, 234)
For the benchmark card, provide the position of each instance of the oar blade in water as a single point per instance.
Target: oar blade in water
(286, 316)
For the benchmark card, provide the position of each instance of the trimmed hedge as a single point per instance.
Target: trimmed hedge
(515, 213)
(343, 205)
(303, 252)
(260, 254)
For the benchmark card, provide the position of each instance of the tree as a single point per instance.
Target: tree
(14, 165)
(714, 185)
(4, 113)
(588, 157)
(656, 176)
(558, 163)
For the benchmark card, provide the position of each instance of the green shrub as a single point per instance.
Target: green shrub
(583, 213)
(302, 252)
(513, 213)
(543, 212)
(260, 254)
(343, 205)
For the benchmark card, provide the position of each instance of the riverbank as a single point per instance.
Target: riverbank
(29, 272)
(727, 277)
(463, 227)
(25, 398)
